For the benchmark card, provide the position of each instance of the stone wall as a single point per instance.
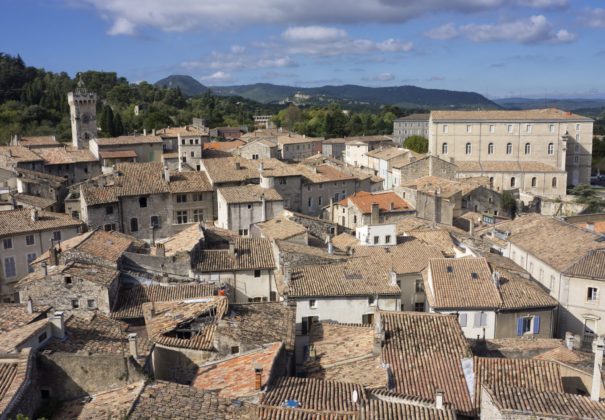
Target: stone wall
(431, 165)
(317, 227)
(178, 266)
(178, 365)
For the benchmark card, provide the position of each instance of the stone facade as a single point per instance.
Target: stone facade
(83, 116)
(412, 125)
(428, 166)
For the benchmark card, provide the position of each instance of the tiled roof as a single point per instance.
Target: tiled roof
(117, 154)
(55, 181)
(387, 201)
(325, 173)
(518, 292)
(164, 318)
(591, 265)
(95, 333)
(40, 203)
(121, 140)
(65, 155)
(344, 241)
(521, 402)
(447, 187)
(97, 274)
(462, 283)
(19, 222)
(561, 354)
(252, 254)
(342, 352)
(555, 242)
(439, 238)
(226, 146)
(255, 324)
(410, 256)
(316, 394)
(108, 246)
(38, 141)
(14, 375)
(222, 170)
(425, 353)
(187, 130)
(130, 301)
(297, 139)
(235, 376)
(415, 117)
(387, 153)
(248, 194)
(368, 139)
(296, 249)
(15, 315)
(19, 154)
(165, 400)
(530, 374)
(547, 114)
(187, 182)
(503, 166)
(265, 412)
(111, 404)
(184, 241)
(379, 409)
(13, 339)
(281, 228)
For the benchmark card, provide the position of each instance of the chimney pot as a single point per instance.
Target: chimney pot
(30, 306)
(569, 339)
(58, 325)
(439, 399)
(258, 372)
(34, 215)
(132, 344)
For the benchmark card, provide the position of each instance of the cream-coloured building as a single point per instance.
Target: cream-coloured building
(539, 151)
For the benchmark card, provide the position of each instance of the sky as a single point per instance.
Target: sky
(499, 48)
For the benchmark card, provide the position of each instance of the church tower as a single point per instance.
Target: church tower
(83, 112)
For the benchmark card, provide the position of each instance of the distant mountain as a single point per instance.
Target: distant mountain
(403, 96)
(187, 84)
(566, 104)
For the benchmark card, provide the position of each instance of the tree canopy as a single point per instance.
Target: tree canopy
(418, 144)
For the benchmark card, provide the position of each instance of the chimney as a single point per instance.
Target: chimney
(166, 174)
(330, 246)
(496, 278)
(34, 215)
(30, 306)
(375, 217)
(471, 227)
(590, 226)
(258, 374)
(439, 399)
(287, 273)
(378, 336)
(58, 325)
(45, 267)
(569, 339)
(393, 278)
(597, 348)
(238, 166)
(153, 132)
(54, 254)
(261, 167)
(144, 131)
(232, 248)
(160, 251)
(132, 345)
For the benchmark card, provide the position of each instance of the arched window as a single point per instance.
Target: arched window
(513, 182)
(554, 182)
(527, 148)
(444, 148)
(551, 149)
(490, 149)
(468, 149)
(534, 181)
(509, 148)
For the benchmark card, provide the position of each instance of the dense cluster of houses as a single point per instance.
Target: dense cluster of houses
(277, 276)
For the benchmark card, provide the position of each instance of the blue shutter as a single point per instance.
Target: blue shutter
(520, 326)
(537, 324)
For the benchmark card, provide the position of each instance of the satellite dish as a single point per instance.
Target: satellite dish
(354, 397)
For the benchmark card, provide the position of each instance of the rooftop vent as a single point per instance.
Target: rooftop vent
(450, 269)
(474, 276)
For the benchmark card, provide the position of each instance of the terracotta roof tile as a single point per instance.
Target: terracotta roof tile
(122, 140)
(548, 114)
(16, 222)
(117, 154)
(379, 409)
(14, 377)
(64, 155)
(15, 315)
(248, 194)
(32, 141)
(97, 274)
(225, 170)
(19, 154)
(387, 202)
(281, 228)
(252, 254)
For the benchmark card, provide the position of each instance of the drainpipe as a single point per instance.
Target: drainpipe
(597, 347)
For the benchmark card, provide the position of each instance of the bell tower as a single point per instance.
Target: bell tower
(83, 113)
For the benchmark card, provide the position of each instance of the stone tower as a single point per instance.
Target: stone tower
(83, 112)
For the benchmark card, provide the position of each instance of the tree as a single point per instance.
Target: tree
(417, 144)
(586, 195)
(509, 204)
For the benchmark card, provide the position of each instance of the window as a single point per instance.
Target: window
(109, 210)
(67, 280)
(192, 154)
(576, 159)
(190, 141)
(444, 148)
(387, 239)
(551, 149)
(527, 148)
(554, 182)
(469, 128)
(462, 319)
(142, 202)
(468, 149)
(445, 128)
(376, 239)
(42, 337)
(490, 149)
(372, 301)
(197, 197)
(534, 181)
(354, 218)
(255, 156)
(257, 273)
(249, 206)
(109, 227)
(181, 217)
(57, 235)
(283, 181)
(183, 141)
(577, 148)
(577, 127)
(419, 286)
(367, 319)
(198, 215)
(509, 128)
(10, 268)
(592, 294)
(181, 198)
(243, 232)
(234, 349)
(577, 139)
(75, 303)
(513, 182)
(491, 181)
(480, 319)
(310, 202)
(30, 258)
(552, 282)
(91, 303)
(492, 128)
(312, 303)
(525, 325)
(29, 240)
(155, 222)
(319, 200)
(134, 224)
(419, 307)
(528, 128)
(509, 148)
(8, 243)
(551, 128)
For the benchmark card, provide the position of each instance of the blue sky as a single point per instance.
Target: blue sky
(499, 48)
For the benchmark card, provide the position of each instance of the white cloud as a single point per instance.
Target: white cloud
(237, 49)
(313, 34)
(217, 77)
(534, 30)
(239, 61)
(595, 18)
(394, 45)
(382, 77)
(192, 15)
